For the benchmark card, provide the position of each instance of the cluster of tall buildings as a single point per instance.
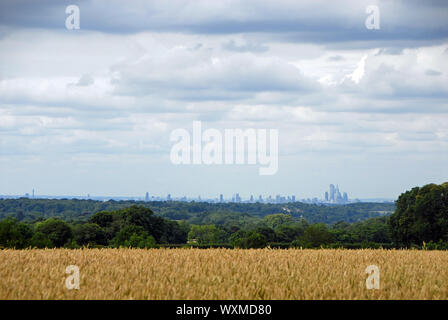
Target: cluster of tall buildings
(277, 199)
(220, 199)
(335, 196)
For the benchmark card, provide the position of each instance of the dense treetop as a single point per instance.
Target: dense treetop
(421, 215)
(192, 212)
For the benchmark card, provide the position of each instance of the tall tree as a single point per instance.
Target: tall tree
(58, 231)
(421, 215)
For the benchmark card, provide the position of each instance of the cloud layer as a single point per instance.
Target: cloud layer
(105, 98)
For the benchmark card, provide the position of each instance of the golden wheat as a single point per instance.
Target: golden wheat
(223, 274)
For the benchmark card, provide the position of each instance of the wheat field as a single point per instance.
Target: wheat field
(222, 274)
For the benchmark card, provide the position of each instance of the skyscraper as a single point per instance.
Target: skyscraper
(147, 196)
(221, 198)
(338, 196)
(237, 198)
(332, 191)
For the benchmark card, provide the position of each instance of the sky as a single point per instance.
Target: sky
(91, 110)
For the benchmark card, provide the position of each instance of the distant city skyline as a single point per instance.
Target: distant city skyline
(333, 196)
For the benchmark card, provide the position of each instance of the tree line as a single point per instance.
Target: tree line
(139, 227)
(420, 220)
(135, 226)
(72, 210)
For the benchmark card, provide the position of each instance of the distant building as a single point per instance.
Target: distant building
(335, 196)
(332, 193)
(221, 198)
(168, 197)
(147, 197)
(293, 198)
(237, 198)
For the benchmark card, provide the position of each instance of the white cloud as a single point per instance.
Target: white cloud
(358, 73)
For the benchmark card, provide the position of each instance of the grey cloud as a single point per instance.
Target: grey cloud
(85, 81)
(336, 58)
(304, 21)
(197, 47)
(236, 77)
(391, 51)
(248, 47)
(431, 72)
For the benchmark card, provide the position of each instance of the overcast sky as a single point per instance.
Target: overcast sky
(91, 110)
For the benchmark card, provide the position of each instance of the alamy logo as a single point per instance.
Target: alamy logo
(72, 281)
(72, 21)
(373, 20)
(373, 278)
(213, 147)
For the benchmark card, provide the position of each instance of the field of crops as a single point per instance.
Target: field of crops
(222, 274)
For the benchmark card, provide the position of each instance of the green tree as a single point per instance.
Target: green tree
(421, 215)
(14, 234)
(288, 233)
(268, 233)
(20, 215)
(143, 217)
(175, 232)
(89, 234)
(207, 234)
(133, 236)
(250, 239)
(140, 241)
(276, 220)
(103, 219)
(40, 241)
(58, 231)
(235, 238)
(316, 235)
